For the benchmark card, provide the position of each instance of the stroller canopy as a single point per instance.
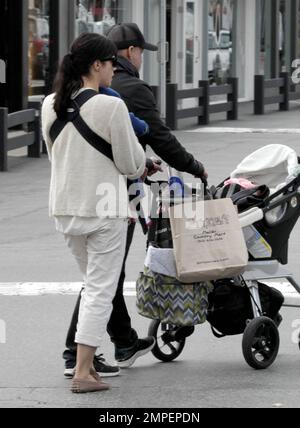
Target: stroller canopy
(270, 165)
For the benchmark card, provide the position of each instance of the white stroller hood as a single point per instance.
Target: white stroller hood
(274, 166)
(270, 165)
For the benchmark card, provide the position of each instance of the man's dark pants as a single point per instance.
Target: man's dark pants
(119, 325)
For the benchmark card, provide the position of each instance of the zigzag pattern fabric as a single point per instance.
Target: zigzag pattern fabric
(168, 300)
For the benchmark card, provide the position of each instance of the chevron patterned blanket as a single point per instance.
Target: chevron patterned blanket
(168, 300)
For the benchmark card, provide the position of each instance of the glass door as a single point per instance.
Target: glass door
(220, 35)
(156, 30)
(192, 44)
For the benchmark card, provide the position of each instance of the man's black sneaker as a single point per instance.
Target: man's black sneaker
(101, 366)
(127, 357)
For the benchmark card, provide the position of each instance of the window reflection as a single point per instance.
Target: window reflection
(220, 24)
(97, 16)
(38, 49)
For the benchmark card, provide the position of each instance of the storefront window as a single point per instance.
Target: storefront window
(220, 25)
(38, 54)
(97, 16)
(189, 41)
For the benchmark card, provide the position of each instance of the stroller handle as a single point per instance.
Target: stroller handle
(204, 181)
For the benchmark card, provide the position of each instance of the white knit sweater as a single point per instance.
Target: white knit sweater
(78, 169)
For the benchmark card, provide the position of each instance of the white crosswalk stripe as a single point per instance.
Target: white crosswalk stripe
(227, 130)
(32, 289)
(51, 288)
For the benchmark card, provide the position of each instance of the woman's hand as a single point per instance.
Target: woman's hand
(154, 166)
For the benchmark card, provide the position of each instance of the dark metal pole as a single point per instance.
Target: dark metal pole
(172, 106)
(53, 44)
(15, 22)
(204, 102)
(3, 49)
(285, 91)
(234, 98)
(34, 151)
(3, 139)
(259, 97)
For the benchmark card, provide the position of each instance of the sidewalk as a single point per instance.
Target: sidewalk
(273, 119)
(209, 373)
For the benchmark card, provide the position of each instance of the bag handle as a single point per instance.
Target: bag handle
(248, 192)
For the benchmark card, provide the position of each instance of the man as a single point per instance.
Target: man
(141, 101)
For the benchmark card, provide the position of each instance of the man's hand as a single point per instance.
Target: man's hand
(203, 175)
(154, 166)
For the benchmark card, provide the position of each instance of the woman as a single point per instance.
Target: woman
(95, 236)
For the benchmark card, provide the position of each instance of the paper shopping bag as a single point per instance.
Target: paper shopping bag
(208, 241)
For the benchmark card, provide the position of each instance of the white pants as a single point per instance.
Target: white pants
(100, 256)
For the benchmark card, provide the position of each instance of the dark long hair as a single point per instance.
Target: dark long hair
(85, 50)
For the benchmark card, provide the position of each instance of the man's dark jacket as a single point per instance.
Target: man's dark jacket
(140, 100)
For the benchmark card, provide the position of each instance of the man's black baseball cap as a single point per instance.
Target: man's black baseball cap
(126, 35)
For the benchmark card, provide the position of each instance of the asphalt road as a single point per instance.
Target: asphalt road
(31, 250)
(209, 373)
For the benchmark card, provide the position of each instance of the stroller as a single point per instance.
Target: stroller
(273, 218)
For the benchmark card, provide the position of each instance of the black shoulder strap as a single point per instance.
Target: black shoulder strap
(91, 137)
(59, 125)
(85, 131)
(84, 97)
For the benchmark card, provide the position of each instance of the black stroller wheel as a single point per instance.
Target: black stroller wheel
(261, 343)
(167, 347)
(299, 340)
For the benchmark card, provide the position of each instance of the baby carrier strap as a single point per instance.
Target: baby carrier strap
(92, 138)
(84, 130)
